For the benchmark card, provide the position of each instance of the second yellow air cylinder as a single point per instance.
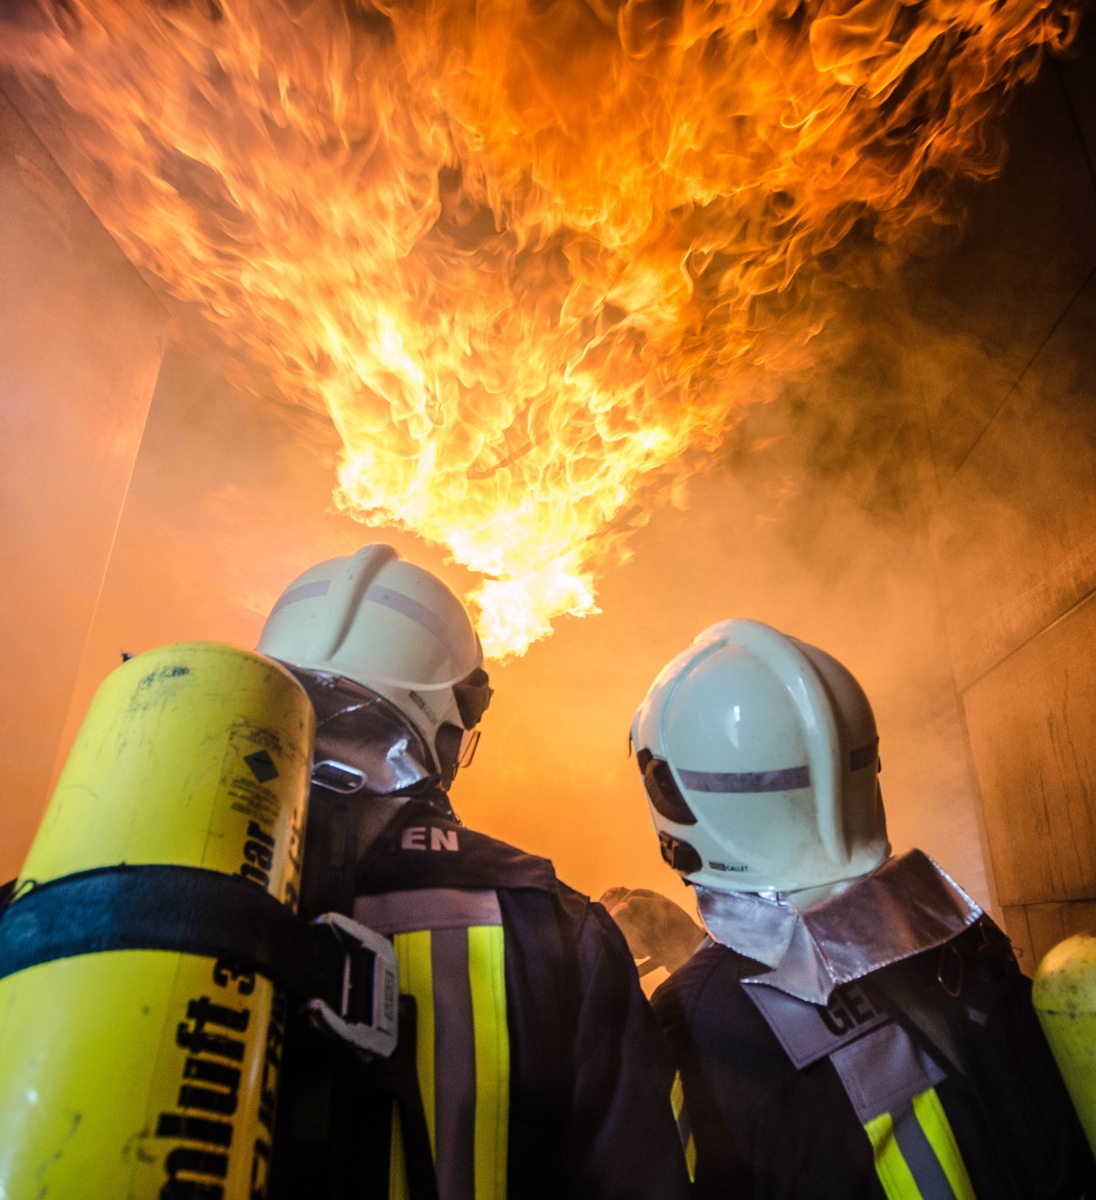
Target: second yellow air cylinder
(1064, 995)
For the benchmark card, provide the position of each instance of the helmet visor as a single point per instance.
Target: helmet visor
(468, 744)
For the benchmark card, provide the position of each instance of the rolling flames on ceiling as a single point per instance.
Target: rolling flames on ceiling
(524, 254)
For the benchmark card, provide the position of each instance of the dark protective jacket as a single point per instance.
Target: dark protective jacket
(770, 1130)
(540, 1067)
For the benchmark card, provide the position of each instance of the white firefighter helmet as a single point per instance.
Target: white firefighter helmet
(396, 629)
(759, 755)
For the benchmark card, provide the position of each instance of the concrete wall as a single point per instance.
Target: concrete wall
(1010, 409)
(80, 347)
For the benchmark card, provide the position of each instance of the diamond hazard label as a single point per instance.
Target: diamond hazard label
(262, 766)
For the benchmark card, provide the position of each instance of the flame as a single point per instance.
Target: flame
(524, 254)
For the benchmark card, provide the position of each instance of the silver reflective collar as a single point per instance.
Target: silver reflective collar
(360, 730)
(908, 905)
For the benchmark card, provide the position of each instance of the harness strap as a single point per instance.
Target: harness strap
(338, 1115)
(400, 1075)
(341, 831)
(189, 910)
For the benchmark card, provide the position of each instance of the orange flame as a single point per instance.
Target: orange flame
(524, 254)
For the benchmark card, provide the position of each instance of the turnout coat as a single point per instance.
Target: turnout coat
(531, 1065)
(927, 1079)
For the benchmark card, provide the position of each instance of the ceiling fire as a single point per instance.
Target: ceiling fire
(524, 255)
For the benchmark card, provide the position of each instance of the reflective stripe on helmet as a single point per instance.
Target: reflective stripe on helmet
(412, 609)
(455, 972)
(747, 781)
(785, 780)
(307, 591)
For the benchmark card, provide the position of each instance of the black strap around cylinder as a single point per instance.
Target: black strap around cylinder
(186, 909)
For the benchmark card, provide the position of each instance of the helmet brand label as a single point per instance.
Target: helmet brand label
(423, 707)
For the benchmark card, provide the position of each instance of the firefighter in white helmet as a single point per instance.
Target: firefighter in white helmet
(855, 1027)
(531, 1065)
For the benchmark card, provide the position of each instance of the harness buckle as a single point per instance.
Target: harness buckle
(368, 1010)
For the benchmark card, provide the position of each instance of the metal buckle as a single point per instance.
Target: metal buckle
(377, 1034)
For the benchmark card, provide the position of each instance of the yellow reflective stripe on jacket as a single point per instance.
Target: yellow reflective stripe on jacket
(457, 979)
(398, 1186)
(684, 1128)
(485, 968)
(933, 1120)
(916, 1155)
(417, 979)
(890, 1166)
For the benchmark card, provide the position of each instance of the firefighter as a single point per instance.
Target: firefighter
(855, 1027)
(537, 1068)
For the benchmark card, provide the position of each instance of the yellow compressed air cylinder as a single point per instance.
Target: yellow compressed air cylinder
(1064, 995)
(149, 1074)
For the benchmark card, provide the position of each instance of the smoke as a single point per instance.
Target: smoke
(819, 512)
(524, 256)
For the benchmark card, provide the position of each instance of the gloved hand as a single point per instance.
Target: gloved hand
(659, 932)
